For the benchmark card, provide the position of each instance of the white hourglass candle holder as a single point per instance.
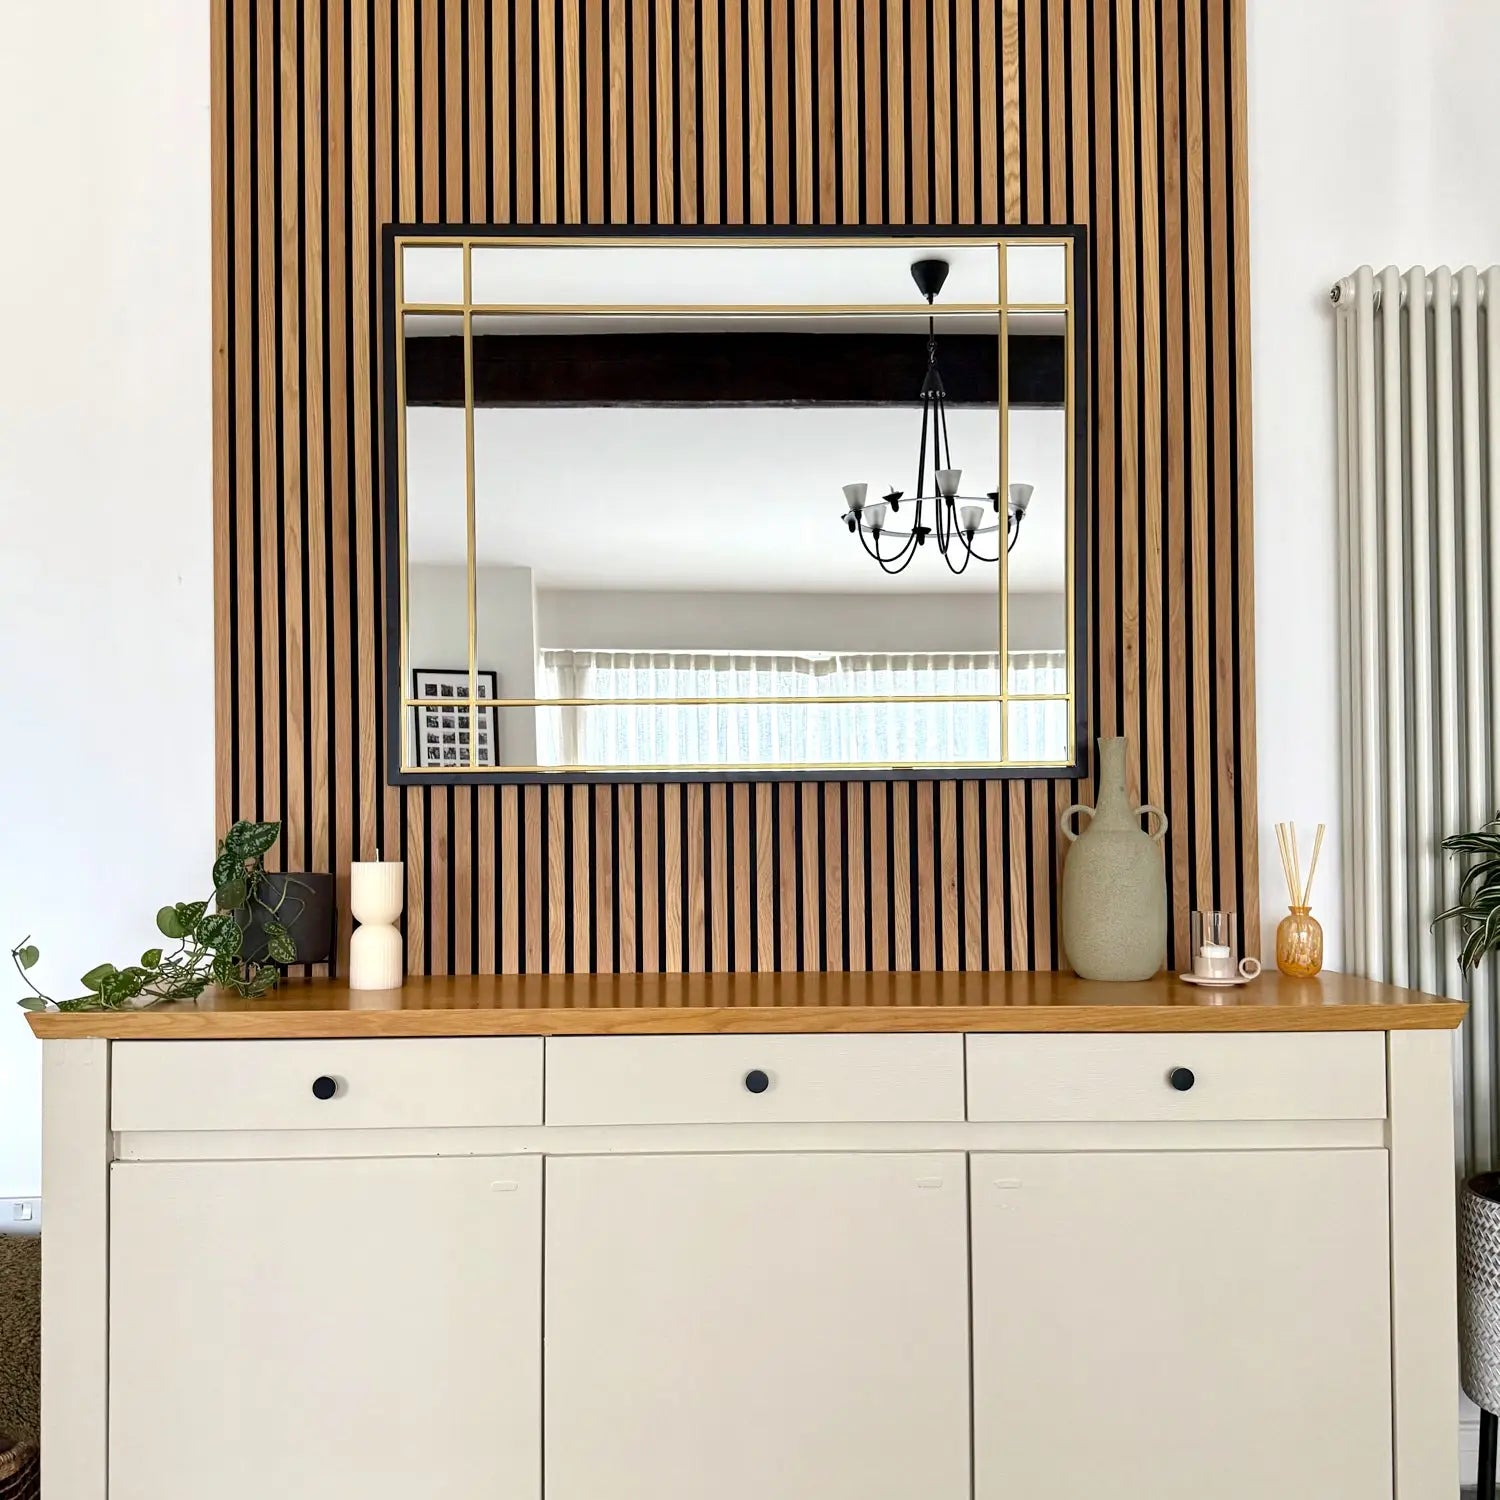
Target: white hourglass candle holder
(377, 888)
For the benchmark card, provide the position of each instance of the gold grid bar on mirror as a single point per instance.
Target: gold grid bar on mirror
(468, 308)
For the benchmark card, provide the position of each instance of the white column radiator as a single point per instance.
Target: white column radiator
(1419, 617)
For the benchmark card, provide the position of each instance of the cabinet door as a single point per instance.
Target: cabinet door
(746, 1327)
(1168, 1326)
(312, 1329)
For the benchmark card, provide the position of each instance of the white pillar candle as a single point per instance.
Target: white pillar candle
(377, 888)
(1215, 950)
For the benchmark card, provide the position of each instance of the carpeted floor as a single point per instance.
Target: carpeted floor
(20, 1333)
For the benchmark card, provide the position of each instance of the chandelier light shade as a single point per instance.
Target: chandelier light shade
(957, 520)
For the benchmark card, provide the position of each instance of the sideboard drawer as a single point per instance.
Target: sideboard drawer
(729, 1080)
(321, 1085)
(1246, 1076)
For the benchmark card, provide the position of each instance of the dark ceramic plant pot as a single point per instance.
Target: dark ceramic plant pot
(303, 904)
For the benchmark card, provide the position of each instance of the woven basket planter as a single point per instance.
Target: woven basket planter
(1479, 1289)
(20, 1470)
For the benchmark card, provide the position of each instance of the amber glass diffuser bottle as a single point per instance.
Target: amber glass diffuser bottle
(1299, 938)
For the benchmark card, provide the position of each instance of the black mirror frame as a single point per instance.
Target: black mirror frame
(387, 461)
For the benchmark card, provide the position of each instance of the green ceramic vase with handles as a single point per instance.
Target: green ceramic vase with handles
(1114, 891)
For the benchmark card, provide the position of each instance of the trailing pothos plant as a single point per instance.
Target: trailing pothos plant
(209, 937)
(1477, 910)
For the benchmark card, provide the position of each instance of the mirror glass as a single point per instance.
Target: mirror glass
(704, 507)
(432, 274)
(1036, 274)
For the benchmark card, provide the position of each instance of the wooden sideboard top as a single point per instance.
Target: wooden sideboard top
(662, 1004)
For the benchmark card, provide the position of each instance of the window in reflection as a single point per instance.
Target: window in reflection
(914, 728)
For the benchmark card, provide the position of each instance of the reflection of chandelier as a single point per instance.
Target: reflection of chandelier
(958, 520)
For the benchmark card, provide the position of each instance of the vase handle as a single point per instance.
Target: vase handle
(1159, 833)
(1067, 812)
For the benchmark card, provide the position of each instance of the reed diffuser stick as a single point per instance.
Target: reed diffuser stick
(1313, 868)
(1286, 861)
(1297, 867)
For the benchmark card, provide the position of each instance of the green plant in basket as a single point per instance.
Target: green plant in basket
(1477, 910)
(206, 940)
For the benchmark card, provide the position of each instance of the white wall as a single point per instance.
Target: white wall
(106, 619)
(1371, 140)
(505, 631)
(685, 619)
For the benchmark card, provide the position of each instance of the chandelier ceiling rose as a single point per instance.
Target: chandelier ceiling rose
(957, 521)
(929, 276)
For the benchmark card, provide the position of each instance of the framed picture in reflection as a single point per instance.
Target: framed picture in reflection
(447, 735)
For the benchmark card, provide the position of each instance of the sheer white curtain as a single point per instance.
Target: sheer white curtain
(719, 733)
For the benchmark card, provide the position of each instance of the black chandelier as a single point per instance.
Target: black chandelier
(958, 520)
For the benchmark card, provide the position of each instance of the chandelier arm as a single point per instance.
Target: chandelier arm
(961, 566)
(969, 552)
(922, 446)
(897, 564)
(944, 534)
(942, 416)
(907, 551)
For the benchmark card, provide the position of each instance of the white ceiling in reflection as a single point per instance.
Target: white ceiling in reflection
(719, 498)
(709, 272)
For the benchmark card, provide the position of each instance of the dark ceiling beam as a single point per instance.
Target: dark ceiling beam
(728, 369)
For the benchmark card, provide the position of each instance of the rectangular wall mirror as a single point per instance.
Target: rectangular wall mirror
(715, 505)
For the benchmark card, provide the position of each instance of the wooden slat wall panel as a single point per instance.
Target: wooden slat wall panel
(330, 120)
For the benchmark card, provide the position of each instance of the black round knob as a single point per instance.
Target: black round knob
(325, 1087)
(756, 1081)
(1181, 1079)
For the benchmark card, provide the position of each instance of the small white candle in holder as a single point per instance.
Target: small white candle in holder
(1214, 961)
(377, 888)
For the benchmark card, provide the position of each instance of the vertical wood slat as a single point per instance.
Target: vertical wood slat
(625, 913)
(571, 47)
(711, 208)
(315, 844)
(1153, 785)
(241, 742)
(581, 883)
(1125, 421)
(341, 626)
(333, 122)
(687, 113)
(373, 193)
(1236, 327)
(1174, 442)
(780, 166)
(695, 913)
(965, 83)
(875, 175)
(266, 557)
(743, 957)
(1200, 632)
(666, 154)
(943, 124)
(222, 190)
(788, 882)
(601, 883)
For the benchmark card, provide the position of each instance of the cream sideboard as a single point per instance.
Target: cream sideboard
(798, 1238)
